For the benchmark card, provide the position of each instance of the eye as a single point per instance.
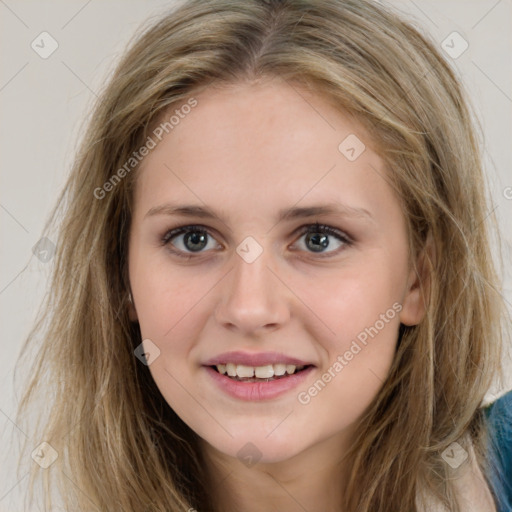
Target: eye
(317, 239)
(186, 240)
(190, 239)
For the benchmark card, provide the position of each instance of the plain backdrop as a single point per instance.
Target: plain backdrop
(44, 102)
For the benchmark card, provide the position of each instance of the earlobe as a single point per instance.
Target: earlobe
(415, 303)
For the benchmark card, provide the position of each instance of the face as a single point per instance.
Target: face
(254, 280)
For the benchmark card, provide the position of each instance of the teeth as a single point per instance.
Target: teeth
(231, 369)
(244, 371)
(261, 372)
(290, 368)
(279, 369)
(264, 372)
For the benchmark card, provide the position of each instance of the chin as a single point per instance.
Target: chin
(251, 449)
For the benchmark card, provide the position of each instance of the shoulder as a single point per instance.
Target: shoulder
(499, 414)
(499, 424)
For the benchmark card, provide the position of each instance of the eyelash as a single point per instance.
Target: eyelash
(304, 230)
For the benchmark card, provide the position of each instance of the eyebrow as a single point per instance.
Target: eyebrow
(286, 214)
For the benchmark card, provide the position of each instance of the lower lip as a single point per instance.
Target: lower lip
(256, 391)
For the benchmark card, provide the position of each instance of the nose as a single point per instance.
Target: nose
(253, 297)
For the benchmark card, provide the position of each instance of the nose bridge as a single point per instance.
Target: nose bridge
(252, 296)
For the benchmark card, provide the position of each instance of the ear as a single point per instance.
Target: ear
(414, 304)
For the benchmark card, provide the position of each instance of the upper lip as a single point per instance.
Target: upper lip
(254, 359)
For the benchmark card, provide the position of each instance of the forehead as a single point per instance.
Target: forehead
(263, 143)
(270, 121)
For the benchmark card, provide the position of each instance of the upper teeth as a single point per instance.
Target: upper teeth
(262, 372)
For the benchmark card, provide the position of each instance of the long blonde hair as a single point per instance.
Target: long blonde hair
(120, 446)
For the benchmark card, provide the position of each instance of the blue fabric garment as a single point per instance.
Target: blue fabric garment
(499, 420)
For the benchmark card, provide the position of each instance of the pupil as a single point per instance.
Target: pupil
(318, 238)
(197, 239)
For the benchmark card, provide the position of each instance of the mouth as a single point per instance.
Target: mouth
(261, 376)
(266, 373)
(258, 383)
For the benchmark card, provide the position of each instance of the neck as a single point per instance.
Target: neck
(311, 480)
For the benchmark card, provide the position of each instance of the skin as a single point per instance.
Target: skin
(246, 151)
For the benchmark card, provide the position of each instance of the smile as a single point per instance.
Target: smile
(245, 373)
(258, 388)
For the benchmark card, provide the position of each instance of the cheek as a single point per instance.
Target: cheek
(354, 299)
(358, 359)
(361, 308)
(170, 303)
(166, 295)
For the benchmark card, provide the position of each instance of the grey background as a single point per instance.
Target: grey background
(44, 103)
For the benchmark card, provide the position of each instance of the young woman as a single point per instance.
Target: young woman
(273, 288)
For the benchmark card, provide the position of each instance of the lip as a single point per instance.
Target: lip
(258, 391)
(255, 359)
